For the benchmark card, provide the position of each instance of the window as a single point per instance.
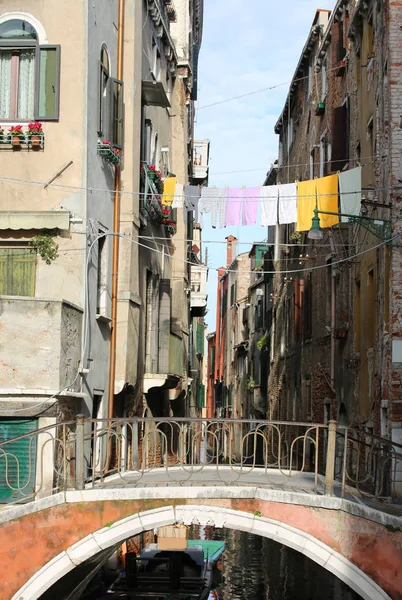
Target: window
(310, 80)
(312, 164)
(340, 137)
(370, 135)
(324, 79)
(101, 304)
(156, 60)
(357, 316)
(290, 132)
(370, 38)
(104, 73)
(232, 294)
(307, 308)
(17, 271)
(29, 74)
(371, 305)
(110, 103)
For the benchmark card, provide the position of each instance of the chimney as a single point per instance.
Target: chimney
(231, 249)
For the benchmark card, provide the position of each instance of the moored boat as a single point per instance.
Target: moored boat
(168, 574)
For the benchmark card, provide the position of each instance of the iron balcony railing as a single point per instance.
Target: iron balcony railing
(87, 453)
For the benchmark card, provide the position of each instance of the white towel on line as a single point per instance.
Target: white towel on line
(287, 203)
(269, 205)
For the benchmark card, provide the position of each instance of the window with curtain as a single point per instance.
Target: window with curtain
(29, 74)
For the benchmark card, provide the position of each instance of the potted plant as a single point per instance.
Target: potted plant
(155, 176)
(296, 237)
(35, 133)
(17, 135)
(320, 108)
(1, 135)
(170, 227)
(109, 152)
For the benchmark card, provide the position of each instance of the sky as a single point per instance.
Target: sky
(247, 45)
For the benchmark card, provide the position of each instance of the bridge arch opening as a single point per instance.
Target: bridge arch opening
(110, 537)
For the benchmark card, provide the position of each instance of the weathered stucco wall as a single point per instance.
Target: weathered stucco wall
(39, 344)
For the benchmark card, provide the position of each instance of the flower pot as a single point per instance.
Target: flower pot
(35, 141)
(16, 141)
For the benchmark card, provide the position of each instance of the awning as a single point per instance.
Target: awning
(45, 219)
(153, 94)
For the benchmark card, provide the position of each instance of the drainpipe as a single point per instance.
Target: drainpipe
(116, 227)
(333, 312)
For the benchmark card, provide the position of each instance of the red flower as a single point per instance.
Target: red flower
(16, 129)
(35, 128)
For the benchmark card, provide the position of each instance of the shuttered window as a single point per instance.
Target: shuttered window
(17, 459)
(340, 137)
(17, 271)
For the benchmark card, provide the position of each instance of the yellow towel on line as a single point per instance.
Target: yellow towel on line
(306, 203)
(327, 195)
(169, 188)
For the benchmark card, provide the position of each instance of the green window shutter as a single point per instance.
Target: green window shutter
(17, 271)
(116, 110)
(200, 339)
(259, 251)
(47, 98)
(18, 481)
(200, 398)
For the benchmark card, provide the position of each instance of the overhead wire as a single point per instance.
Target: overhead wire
(263, 272)
(144, 195)
(262, 90)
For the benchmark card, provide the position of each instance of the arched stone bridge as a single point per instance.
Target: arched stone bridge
(64, 532)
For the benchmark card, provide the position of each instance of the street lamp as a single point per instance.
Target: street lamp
(381, 228)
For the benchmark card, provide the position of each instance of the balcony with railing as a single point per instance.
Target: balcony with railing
(199, 276)
(201, 160)
(151, 207)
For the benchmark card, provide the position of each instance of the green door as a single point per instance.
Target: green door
(17, 460)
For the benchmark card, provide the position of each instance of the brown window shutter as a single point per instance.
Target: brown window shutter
(335, 41)
(339, 156)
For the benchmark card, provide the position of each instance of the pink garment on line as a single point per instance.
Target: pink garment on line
(251, 197)
(233, 206)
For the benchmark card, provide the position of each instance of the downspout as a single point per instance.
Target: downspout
(116, 226)
(333, 312)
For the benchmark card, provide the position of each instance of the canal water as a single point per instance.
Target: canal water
(256, 568)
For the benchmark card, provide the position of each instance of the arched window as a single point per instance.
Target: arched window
(104, 74)
(110, 103)
(29, 74)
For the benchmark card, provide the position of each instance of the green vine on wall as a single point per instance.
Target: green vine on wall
(45, 245)
(262, 343)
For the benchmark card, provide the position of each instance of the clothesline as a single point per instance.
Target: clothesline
(291, 203)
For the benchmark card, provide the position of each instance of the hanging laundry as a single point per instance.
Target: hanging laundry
(306, 203)
(192, 195)
(269, 205)
(350, 186)
(327, 199)
(221, 201)
(206, 202)
(287, 203)
(213, 200)
(251, 197)
(233, 206)
(169, 188)
(178, 196)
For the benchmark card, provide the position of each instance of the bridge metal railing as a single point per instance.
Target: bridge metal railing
(84, 453)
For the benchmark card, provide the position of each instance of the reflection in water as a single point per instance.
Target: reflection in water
(256, 568)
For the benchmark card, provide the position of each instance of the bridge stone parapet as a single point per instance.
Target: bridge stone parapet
(360, 545)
